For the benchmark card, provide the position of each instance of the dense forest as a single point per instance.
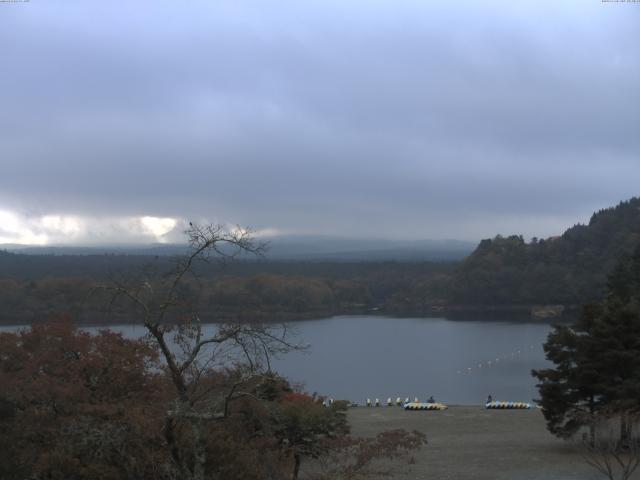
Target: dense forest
(571, 269)
(37, 286)
(502, 273)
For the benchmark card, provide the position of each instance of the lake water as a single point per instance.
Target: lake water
(458, 362)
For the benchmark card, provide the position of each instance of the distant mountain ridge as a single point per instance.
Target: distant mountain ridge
(294, 248)
(309, 276)
(570, 269)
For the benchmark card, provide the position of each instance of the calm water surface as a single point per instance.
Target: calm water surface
(364, 356)
(458, 362)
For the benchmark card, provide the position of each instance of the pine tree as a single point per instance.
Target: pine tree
(597, 359)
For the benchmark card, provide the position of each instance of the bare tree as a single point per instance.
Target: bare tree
(350, 458)
(613, 445)
(190, 348)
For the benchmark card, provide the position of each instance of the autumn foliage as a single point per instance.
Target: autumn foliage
(76, 405)
(81, 406)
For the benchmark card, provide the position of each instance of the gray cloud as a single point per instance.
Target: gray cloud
(412, 119)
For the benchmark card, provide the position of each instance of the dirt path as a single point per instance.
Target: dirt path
(474, 443)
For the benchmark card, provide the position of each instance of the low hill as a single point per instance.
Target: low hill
(571, 269)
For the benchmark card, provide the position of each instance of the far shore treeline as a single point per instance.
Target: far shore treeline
(506, 273)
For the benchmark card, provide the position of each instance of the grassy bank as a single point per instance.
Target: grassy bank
(474, 443)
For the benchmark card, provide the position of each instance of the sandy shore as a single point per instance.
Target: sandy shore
(474, 443)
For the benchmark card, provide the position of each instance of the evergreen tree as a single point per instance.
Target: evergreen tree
(570, 269)
(597, 359)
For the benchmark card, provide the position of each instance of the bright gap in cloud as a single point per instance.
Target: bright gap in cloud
(76, 230)
(159, 226)
(68, 226)
(14, 229)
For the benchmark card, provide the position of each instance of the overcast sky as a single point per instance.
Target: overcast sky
(120, 120)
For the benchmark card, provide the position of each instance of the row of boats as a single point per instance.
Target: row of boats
(499, 405)
(433, 405)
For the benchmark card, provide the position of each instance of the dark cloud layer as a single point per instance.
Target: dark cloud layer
(399, 119)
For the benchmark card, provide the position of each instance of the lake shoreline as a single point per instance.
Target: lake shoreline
(374, 356)
(512, 314)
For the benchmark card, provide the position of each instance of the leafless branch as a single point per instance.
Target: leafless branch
(607, 450)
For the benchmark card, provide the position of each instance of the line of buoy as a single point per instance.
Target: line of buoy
(490, 363)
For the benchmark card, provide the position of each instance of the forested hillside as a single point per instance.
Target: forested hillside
(570, 269)
(501, 273)
(35, 286)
